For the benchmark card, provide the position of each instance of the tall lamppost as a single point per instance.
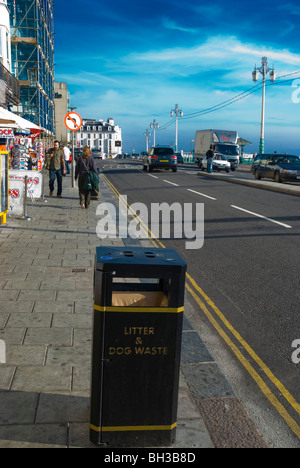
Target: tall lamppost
(147, 134)
(177, 112)
(264, 70)
(154, 125)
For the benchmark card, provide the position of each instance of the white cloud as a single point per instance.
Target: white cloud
(291, 8)
(283, 56)
(170, 24)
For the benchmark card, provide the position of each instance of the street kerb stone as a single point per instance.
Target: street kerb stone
(229, 425)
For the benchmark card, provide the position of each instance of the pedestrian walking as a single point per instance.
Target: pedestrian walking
(210, 157)
(56, 165)
(67, 154)
(84, 167)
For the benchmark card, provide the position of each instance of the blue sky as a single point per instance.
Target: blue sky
(134, 60)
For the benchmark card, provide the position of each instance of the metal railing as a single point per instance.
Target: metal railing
(11, 87)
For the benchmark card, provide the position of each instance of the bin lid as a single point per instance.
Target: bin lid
(138, 256)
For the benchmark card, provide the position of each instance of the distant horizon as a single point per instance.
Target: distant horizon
(134, 64)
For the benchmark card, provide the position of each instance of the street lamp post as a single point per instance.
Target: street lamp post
(177, 112)
(154, 125)
(264, 70)
(147, 134)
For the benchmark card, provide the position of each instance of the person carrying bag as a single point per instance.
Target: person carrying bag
(88, 179)
(210, 158)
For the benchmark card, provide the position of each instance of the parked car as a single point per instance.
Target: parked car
(77, 153)
(97, 155)
(220, 163)
(160, 157)
(280, 167)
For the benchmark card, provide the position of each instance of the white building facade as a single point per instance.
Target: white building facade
(5, 47)
(100, 136)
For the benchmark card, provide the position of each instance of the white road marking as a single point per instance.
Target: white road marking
(262, 217)
(202, 194)
(172, 183)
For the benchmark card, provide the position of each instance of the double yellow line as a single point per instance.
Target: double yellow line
(212, 312)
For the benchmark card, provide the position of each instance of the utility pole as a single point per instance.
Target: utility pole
(177, 112)
(154, 125)
(264, 70)
(147, 134)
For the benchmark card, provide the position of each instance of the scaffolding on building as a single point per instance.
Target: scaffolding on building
(32, 51)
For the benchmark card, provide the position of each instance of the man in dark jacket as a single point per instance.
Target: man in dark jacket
(210, 157)
(56, 165)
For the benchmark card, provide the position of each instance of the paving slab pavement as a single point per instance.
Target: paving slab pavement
(46, 319)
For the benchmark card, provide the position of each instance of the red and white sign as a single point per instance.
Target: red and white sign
(73, 121)
(34, 181)
(6, 133)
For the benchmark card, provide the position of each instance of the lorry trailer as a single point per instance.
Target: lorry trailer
(225, 143)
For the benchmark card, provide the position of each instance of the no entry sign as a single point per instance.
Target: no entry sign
(73, 121)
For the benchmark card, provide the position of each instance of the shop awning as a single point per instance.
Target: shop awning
(6, 122)
(17, 121)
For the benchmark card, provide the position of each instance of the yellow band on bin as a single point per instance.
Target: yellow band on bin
(146, 310)
(132, 428)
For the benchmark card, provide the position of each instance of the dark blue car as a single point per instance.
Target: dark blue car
(160, 157)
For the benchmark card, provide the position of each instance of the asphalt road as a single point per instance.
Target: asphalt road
(247, 270)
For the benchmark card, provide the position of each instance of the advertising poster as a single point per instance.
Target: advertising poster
(16, 195)
(34, 181)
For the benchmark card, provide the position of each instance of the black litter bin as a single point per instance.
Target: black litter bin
(139, 303)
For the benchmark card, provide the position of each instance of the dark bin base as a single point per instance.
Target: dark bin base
(139, 439)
